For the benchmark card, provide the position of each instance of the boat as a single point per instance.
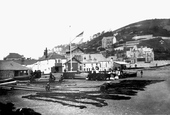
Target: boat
(8, 82)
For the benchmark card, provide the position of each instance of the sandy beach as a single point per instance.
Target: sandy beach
(130, 96)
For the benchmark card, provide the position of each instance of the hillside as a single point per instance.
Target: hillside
(88, 46)
(157, 27)
(92, 45)
(160, 46)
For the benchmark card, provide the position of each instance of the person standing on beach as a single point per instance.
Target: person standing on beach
(141, 72)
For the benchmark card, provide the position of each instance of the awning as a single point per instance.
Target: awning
(121, 62)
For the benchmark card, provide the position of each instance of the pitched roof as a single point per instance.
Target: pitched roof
(52, 55)
(121, 62)
(14, 55)
(11, 65)
(73, 59)
(25, 62)
(73, 49)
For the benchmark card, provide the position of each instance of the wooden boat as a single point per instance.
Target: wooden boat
(7, 82)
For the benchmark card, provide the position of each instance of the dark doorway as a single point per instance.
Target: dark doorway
(56, 69)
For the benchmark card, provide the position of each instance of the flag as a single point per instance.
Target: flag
(81, 34)
(81, 41)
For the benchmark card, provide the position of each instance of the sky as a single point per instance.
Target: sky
(27, 27)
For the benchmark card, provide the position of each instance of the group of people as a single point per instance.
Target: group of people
(52, 79)
(112, 74)
(115, 74)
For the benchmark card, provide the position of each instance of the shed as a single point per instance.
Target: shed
(10, 69)
(120, 64)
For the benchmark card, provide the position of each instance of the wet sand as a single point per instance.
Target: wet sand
(132, 96)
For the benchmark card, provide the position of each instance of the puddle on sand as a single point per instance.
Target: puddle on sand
(115, 91)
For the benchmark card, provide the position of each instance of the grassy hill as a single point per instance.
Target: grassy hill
(160, 46)
(157, 27)
(92, 45)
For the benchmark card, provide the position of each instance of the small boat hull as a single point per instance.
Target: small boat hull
(8, 82)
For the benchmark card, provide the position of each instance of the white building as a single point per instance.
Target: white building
(97, 61)
(143, 37)
(53, 63)
(76, 54)
(140, 54)
(107, 42)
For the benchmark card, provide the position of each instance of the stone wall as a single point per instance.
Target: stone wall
(6, 74)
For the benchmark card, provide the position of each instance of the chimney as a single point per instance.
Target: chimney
(46, 53)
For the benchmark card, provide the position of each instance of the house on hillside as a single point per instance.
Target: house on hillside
(107, 42)
(51, 63)
(58, 50)
(10, 69)
(13, 56)
(20, 59)
(143, 37)
(127, 45)
(142, 54)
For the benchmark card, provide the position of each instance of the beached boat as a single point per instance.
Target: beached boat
(7, 82)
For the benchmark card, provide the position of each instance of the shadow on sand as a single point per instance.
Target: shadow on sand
(114, 91)
(9, 109)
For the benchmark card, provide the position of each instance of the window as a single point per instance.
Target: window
(59, 61)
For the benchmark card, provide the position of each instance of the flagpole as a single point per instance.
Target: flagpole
(70, 52)
(70, 58)
(71, 61)
(71, 66)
